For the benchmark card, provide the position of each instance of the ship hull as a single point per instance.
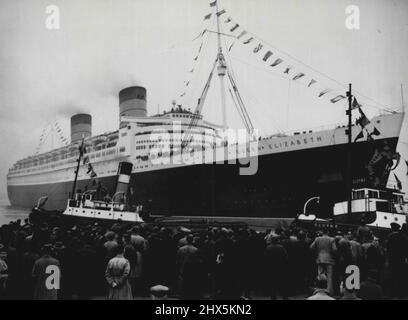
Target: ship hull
(280, 187)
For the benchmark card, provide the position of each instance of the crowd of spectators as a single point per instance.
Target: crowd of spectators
(117, 260)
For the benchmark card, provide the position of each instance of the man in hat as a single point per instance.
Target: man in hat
(187, 257)
(159, 292)
(43, 269)
(110, 245)
(370, 289)
(321, 289)
(325, 248)
(27, 262)
(276, 259)
(396, 252)
(137, 240)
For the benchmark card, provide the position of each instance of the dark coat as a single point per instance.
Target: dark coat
(325, 248)
(41, 292)
(117, 274)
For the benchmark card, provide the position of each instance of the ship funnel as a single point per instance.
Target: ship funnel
(132, 102)
(81, 126)
(124, 172)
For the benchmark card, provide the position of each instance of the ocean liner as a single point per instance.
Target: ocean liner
(182, 165)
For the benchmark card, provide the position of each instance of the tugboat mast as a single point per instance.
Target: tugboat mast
(349, 152)
(81, 148)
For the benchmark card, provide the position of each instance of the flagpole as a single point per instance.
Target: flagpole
(349, 153)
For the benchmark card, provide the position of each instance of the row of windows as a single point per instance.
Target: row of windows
(62, 163)
(211, 133)
(181, 116)
(197, 139)
(70, 155)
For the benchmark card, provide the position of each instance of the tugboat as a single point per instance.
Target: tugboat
(88, 204)
(373, 208)
(84, 205)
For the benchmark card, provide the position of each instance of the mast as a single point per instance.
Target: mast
(222, 67)
(349, 152)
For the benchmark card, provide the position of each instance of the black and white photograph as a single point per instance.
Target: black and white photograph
(211, 150)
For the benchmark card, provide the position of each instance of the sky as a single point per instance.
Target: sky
(103, 46)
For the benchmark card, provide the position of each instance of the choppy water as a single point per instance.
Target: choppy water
(9, 213)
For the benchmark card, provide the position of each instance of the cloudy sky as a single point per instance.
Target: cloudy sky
(105, 45)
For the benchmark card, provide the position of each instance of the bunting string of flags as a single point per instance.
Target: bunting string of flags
(258, 47)
(195, 59)
(239, 33)
(311, 82)
(287, 69)
(51, 129)
(325, 91)
(90, 170)
(42, 136)
(298, 76)
(234, 28)
(337, 98)
(213, 4)
(267, 55)
(276, 62)
(219, 13)
(58, 129)
(249, 40)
